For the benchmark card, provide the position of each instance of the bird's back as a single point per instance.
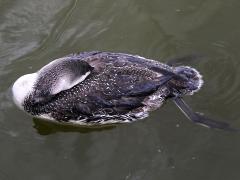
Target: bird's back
(110, 90)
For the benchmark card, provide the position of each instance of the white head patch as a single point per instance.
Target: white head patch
(65, 83)
(22, 87)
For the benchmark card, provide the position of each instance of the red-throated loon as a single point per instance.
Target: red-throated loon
(94, 88)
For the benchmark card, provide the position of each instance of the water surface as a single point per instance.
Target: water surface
(164, 146)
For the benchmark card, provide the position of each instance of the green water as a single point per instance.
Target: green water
(164, 146)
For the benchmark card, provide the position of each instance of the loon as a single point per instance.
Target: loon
(95, 88)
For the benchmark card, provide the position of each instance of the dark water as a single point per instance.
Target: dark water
(165, 145)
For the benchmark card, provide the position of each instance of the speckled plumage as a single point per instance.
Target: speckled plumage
(120, 88)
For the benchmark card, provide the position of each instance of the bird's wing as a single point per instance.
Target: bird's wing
(128, 93)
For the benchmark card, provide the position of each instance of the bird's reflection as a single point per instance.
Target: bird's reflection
(44, 127)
